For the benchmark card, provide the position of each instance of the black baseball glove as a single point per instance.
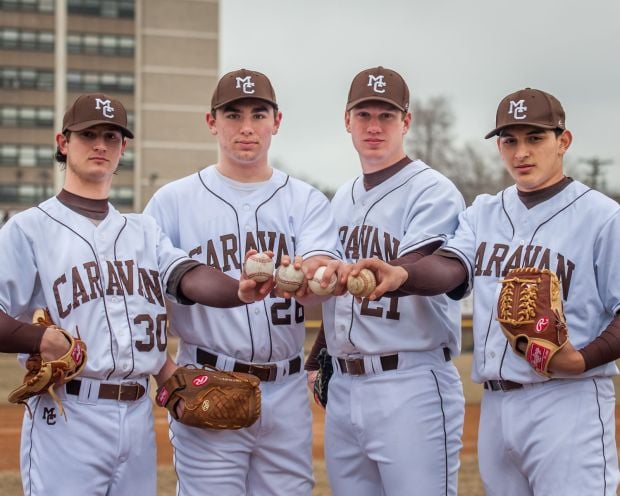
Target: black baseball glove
(323, 376)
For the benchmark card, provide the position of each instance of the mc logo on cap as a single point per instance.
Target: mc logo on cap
(377, 83)
(246, 84)
(517, 109)
(106, 107)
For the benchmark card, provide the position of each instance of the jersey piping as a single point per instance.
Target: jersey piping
(247, 310)
(105, 306)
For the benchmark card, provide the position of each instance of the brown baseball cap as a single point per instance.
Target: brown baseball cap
(96, 108)
(379, 83)
(529, 107)
(240, 84)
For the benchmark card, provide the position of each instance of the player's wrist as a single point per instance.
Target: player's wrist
(401, 276)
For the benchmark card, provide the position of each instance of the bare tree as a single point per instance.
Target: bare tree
(431, 140)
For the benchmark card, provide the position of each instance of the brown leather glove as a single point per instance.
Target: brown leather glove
(531, 315)
(41, 377)
(213, 399)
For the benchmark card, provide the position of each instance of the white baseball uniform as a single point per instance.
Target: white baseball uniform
(217, 221)
(395, 415)
(551, 437)
(105, 282)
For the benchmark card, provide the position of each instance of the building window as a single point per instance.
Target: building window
(80, 81)
(13, 116)
(45, 6)
(18, 4)
(121, 195)
(100, 81)
(26, 155)
(128, 158)
(100, 44)
(26, 193)
(15, 78)
(100, 8)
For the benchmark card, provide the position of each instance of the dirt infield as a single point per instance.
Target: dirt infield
(10, 428)
(11, 417)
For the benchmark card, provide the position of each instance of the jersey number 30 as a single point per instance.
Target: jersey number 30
(155, 332)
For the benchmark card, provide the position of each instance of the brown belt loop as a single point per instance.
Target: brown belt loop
(266, 372)
(355, 366)
(119, 392)
(501, 385)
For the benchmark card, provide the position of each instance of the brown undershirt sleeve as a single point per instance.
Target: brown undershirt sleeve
(319, 343)
(404, 262)
(19, 337)
(435, 274)
(193, 282)
(605, 348)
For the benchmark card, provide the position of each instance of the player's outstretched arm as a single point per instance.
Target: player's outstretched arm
(431, 275)
(389, 277)
(209, 286)
(22, 337)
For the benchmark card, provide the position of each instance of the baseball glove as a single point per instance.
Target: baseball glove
(321, 383)
(214, 399)
(41, 377)
(531, 315)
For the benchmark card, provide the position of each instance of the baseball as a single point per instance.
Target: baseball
(288, 278)
(363, 284)
(259, 267)
(315, 283)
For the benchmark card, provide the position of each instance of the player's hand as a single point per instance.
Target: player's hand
(53, 345)
(309, 266)
(389, 277)
(567, 361)
(301, 292)
(250, 290)
(164, 374)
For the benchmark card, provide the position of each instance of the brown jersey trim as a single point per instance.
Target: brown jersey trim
(88, 207)
(373, 179)
(532, 198)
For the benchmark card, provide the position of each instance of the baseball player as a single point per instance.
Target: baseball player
(395, 412)
(216, 215)
(102, 275)
(537, 435)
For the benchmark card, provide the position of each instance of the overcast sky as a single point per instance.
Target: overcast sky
(472, 52)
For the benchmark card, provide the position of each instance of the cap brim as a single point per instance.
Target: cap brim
(354, 103)
(499, 129)
(245, 97)
(86, 124)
